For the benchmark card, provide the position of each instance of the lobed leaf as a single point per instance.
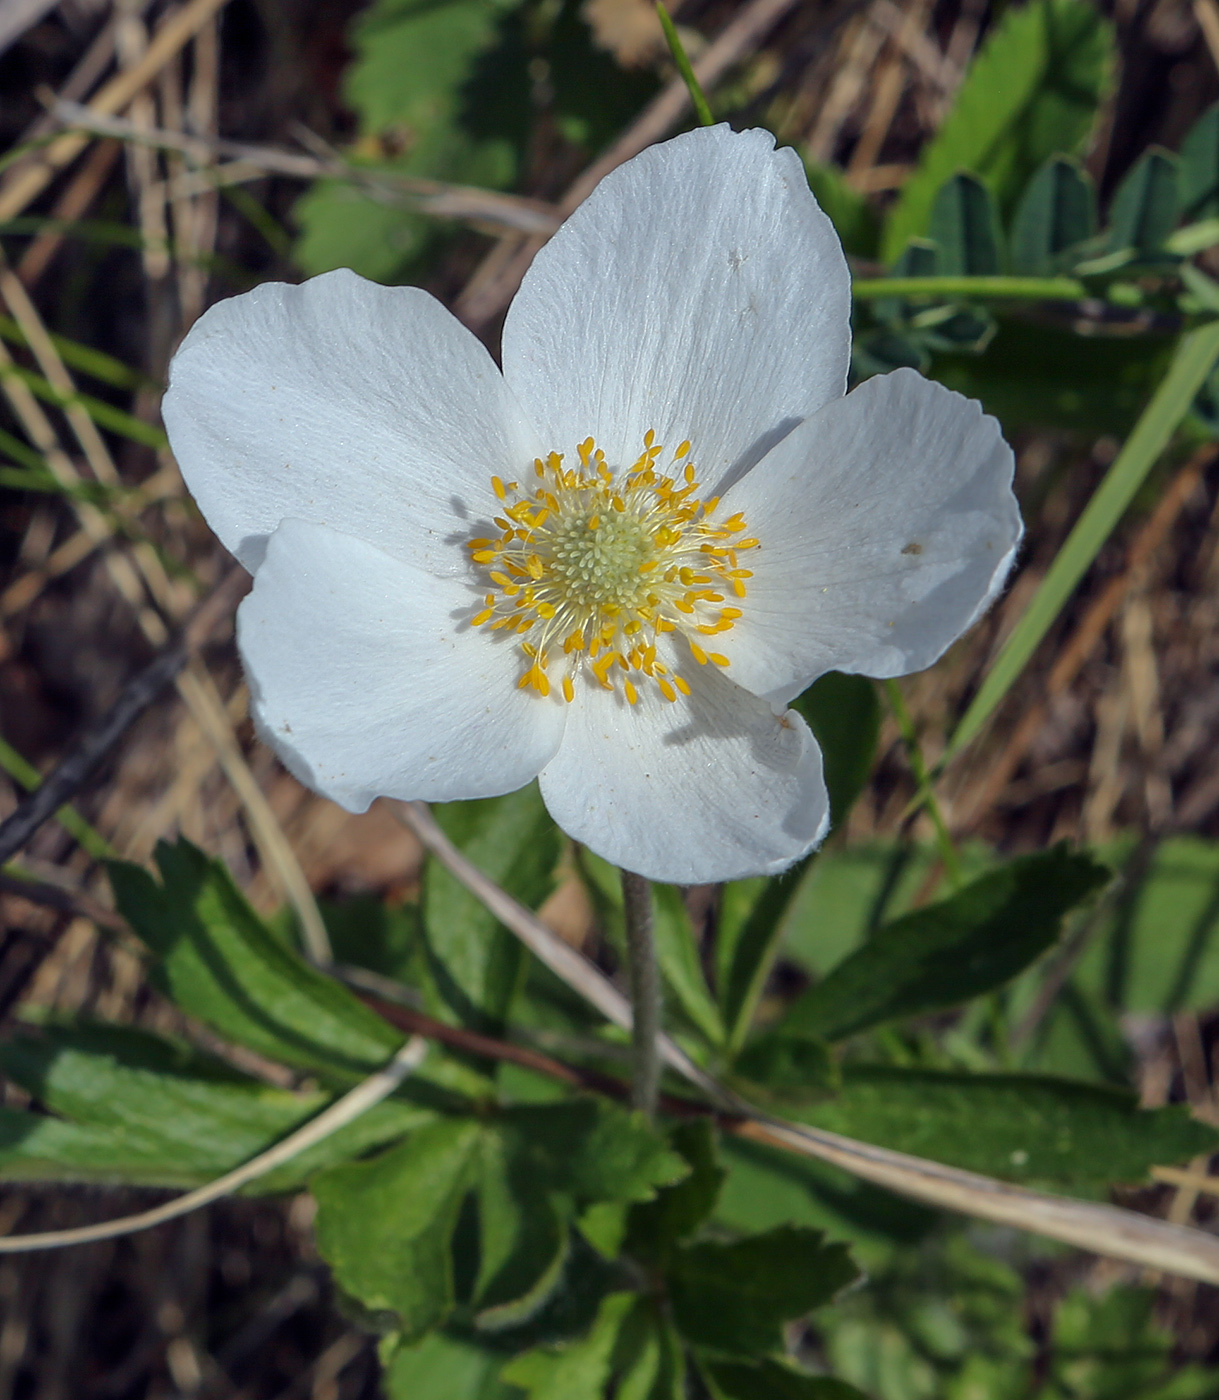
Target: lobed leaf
(735, 1298)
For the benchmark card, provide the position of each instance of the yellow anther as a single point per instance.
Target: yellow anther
(597, 563)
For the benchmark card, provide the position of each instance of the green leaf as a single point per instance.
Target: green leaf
(884, 349)
(220, 962)
(1199, 168)
(948, 952)
(523, 1235)
(1056, 213)
(747, 939)
(413, 59)
(964, 225)
(677, 953)
(539, 1165)
(143, 1110)
(1158, 952)
(680, 1209)
(1019, 1127)
(734, 1298)
(445, 1368)
(775, 1380)
(477, 964)
(844, 714)
(370, 933)
(1032, 92)
(592, 1150)
(384, 1226)
(1192, 363)
(787, 1068)
(1043, 376)
(581, 1370)
(1144, 208)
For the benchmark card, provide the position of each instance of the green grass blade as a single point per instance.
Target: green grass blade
(1193, 361)
(95, 363)
(998, 288)
(702, 108)
(105, 415)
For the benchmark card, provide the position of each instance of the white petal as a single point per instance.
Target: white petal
(369, 409)
(887, 525)
(700, 292)
(367, 685)
(713, 787)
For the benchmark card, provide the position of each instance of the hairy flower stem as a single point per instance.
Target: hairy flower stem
(645, 992)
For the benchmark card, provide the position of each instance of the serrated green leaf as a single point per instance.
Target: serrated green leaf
(581, 1370)
(964, 226)
(219, 962)
(1056, 213)
(413, 59)
(1019, 1127)
(951, 951)
(680, 1209)
(774, 1380)
(1032, 91)
(1199, 168)
(592, 1150)
(734, 1298)
(384, 1226)
(1144, 208)
(476, 963)
(445, 1368)
(523, 1234)
(844, 714)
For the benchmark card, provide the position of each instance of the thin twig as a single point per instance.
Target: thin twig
(29, 182)
(434, 197)
(644, 975)
(95, 743)
(358, 1101)
(1105, 1230)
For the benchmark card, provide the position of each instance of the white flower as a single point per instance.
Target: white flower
(613, 564)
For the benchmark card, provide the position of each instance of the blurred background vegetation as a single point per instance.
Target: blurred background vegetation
(434, 142)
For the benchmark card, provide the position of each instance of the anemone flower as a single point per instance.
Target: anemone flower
(612, 565)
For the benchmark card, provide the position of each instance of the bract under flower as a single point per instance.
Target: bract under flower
(613, 564)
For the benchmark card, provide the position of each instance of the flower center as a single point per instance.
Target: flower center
(592, 567)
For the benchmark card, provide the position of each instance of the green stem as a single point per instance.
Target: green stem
(702, 108)
(927, 797)
(979, 288)
(644, 977)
